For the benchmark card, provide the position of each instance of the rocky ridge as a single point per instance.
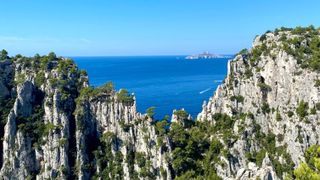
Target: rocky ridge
(272, 92)
(60, 127)
(258, 124)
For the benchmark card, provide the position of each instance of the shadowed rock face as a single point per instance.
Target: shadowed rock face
(6, 74)
(257, 125)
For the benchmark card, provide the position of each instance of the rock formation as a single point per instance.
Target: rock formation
(258, 124)
(271, 91)
(59, 127)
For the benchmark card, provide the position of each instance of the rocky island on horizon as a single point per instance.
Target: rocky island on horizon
(262, 122)
(206, 55)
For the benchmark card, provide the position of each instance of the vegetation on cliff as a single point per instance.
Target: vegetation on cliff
(190, 149)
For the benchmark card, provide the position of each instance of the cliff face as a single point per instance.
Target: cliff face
(271, 91)
(257, 125)
(59, 127)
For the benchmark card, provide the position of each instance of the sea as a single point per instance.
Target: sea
(163, 82)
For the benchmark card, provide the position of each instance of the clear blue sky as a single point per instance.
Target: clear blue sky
(144, 27)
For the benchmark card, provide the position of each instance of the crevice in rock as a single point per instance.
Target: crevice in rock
(7, 102)
(72, 153)
(6, 105)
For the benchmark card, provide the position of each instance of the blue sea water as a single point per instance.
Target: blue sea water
(165, 82)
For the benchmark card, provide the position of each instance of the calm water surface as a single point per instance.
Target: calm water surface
(166, 82)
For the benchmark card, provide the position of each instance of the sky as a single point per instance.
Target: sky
(144, 27)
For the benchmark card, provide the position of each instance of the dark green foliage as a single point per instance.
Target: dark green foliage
(317, 83)
(5, 106)
(307, 54)
(183, 117)
(248, 73)
(268, 144)
(111, 165)
(302, 109)
(140, 159)
(265, 108)
(223, 122)
(290, 113)
(3, 54)
(162, 126)
(193, 147)
(264, 87)
(91, 92)
(278, 116)
(238, 98)
(40, 79)
(318, 106)
(52, 56)
(260, 156)
(243, 52)
(306, 47)
(181, 114)
(33, 126)
(263, 37)
(256, 53)
(124, 96)
(65, 66)
(125, 126)
(150, 112)
(313, 111)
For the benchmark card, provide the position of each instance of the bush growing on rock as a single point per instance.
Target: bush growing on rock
(3, 55)
(311, 168)
(302, 109)
(124, 96)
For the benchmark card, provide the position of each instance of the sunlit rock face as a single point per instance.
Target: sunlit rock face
(56, 126)
(257, 125)
(272, 89)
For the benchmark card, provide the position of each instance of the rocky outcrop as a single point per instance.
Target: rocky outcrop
(132, 135)
(60, 127)
(256, 126)
(274, 91)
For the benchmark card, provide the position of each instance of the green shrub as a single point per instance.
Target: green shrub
(140, 159)
(40, 79)
(302, 109)
(20, 78)
(318, 106)
(124, 96)
(243, 52)
(317, 83)
(278, 116)
(309, 169)
(264, 87)
(260, 156)
(313, 111)
(150, 112)
(3, 54)
(265, 108)
(238, 98)
(290, 113)
(248, 73)
(126, 127)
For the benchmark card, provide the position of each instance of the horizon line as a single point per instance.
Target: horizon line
(134, 55)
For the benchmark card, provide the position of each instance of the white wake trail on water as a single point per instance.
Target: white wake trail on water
(206, 90)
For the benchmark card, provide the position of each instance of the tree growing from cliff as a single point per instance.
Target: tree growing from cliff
(3, 55)
(310, 170)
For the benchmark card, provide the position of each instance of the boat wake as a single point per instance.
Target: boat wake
(206, 90)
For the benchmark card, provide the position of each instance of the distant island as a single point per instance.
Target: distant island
(206, 55)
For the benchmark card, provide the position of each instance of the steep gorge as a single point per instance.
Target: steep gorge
(259, 123)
